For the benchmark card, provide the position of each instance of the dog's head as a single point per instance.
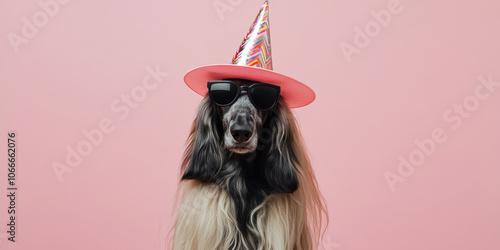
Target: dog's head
(221, 133)
(242, 123)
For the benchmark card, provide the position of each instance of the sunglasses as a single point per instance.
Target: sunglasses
(225, 92)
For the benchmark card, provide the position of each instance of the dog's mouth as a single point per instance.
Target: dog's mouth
(241, 148)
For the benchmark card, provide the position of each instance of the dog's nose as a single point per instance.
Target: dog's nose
(241, 133)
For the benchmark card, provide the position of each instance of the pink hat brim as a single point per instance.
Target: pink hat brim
(295, 93)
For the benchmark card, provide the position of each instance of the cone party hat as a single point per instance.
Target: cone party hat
(255, 50)
(253, 61)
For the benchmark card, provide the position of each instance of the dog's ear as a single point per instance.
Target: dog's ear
(203, 156)
(278, 156)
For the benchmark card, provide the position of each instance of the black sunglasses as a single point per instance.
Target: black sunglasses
(225, 92)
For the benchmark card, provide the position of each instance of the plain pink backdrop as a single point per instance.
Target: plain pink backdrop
(371, 106)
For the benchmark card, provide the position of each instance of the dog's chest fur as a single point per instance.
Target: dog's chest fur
(239, 195)
(243, 178)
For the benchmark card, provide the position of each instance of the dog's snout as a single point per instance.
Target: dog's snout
(242, 128)
(241, 133)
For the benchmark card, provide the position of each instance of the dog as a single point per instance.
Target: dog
(247, 182)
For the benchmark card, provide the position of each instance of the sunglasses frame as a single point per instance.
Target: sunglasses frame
(241, 88)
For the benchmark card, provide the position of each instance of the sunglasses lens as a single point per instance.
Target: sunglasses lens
(264, 97)
(223, 93)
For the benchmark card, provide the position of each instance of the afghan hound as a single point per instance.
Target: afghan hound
(247, 182)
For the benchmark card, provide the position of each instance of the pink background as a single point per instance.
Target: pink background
(370, 108)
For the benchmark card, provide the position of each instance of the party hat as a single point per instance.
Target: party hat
(255, 50)
(253, 62)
